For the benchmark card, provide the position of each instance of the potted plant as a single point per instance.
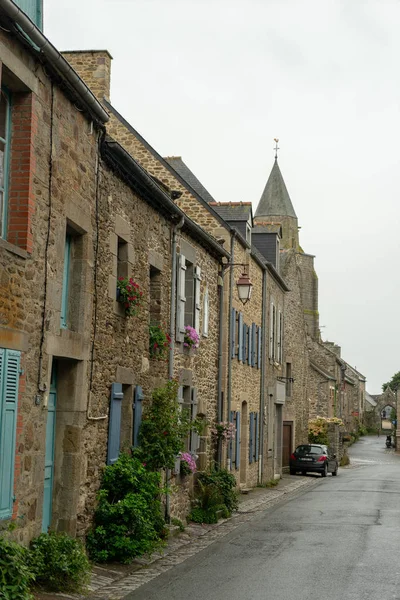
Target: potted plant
(130, 295)
(187, 464)
(224, 430)
(191, 338)
(159, 342)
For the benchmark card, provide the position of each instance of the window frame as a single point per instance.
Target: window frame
(7, 158)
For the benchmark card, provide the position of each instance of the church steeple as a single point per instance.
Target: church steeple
(275, 199)
(275, 206)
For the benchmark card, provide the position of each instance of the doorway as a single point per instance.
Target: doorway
(49, 451)
(287, 442)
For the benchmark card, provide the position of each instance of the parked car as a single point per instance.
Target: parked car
(316, 458)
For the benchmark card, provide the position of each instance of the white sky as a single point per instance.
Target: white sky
(215, 81)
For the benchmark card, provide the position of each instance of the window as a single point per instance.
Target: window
(279, 336)
(155, 296)
(122, 259)
(188, 296)
(272, 332)
(65, 282)
(187, 396)
(9, 380)
(5, 133)
(248, 233)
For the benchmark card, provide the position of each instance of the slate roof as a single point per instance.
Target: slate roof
(268, 228)
(275, 199)
(370, 399)
(183, 170)
(233, 211)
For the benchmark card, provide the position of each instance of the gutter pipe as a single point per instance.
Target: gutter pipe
(54, 57)
(229, 394)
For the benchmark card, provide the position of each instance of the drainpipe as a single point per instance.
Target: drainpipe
(262, 376)
(229, 394)
(172, 329)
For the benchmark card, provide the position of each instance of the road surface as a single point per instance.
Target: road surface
(339, 540)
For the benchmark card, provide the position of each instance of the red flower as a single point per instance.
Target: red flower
(165, 432)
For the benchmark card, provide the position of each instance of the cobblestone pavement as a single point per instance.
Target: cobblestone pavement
(114, 582)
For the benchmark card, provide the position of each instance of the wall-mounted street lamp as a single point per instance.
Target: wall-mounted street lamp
(243, 284)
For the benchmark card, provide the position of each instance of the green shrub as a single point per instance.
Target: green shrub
(59, 563)
(345, 460)
(362, 430)
(128, 520)
(225, 483)
(15, 575)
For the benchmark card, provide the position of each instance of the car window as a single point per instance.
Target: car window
(309, 449)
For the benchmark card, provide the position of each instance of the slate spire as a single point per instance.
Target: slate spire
(275, 200)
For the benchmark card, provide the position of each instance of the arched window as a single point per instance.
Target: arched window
(5, 121)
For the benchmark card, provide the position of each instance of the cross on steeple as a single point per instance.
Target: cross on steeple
(276, 140)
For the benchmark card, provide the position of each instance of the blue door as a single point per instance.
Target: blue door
(49, 456)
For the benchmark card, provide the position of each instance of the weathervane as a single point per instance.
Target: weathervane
(276, 140)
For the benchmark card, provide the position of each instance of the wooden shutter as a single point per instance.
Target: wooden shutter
(65, 283)
(232, 441)
(245, 342)
(138, 409)
(238, 441)
(233, 333)
(205, 313)
(251, 437)
(194, 436)
(240, 337)
(278, 336)
(114, 423)
(259, 347)
(9, 380)
(180, 298)
(197, 305)
(249, 344)
(253, 345)
(281, 337)
(257, 435)
(271, 330)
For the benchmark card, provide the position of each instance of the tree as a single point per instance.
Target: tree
(394, 383)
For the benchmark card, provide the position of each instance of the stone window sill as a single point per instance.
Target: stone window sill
(13, 249)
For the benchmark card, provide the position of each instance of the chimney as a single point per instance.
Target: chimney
(94, 68)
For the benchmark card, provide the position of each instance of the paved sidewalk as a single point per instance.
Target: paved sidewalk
(114, 582)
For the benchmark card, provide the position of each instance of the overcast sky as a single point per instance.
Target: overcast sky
(215, 81)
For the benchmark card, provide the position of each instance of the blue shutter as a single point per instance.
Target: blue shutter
(237, 446)
(194, 436)
(114, 423)
(244, 343)
(249, 345)
(9, 379)
(240, 337)
(65, 283)
(253, 345)
(251, 438)
(233, 333)
(138, 408)
(259, 342)
(257, 435)
(231, 453)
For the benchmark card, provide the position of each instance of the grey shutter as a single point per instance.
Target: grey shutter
(259, 342)
(194, 436)
(281, 337)
(240, 337)
(205, 313)
(180, 298)
(233, 333)
(253, 345)
(271, 330)
(278, 336)
(138, 408)
(114, 423)
(251, 437)
(197, 305)
(245, 342)
(257, 435)
(237, 446)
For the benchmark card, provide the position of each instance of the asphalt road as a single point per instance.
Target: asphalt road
(339, 540)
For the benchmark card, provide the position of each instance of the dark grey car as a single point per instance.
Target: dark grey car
(315, 458)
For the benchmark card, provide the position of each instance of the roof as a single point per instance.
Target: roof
(370, 399)
(233, 211)
(322, 371)
(268, 228)
(183, 170)
(275, 199)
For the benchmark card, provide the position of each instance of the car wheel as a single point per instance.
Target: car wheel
(325, 471)
(292, 471)
(335, 471)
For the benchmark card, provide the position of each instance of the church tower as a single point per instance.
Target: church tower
(275, 207)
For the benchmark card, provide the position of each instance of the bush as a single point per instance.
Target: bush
(128, 521)
(225, 483)
(59, 563)
(15, 574)
(216, 497)
(345, 460)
